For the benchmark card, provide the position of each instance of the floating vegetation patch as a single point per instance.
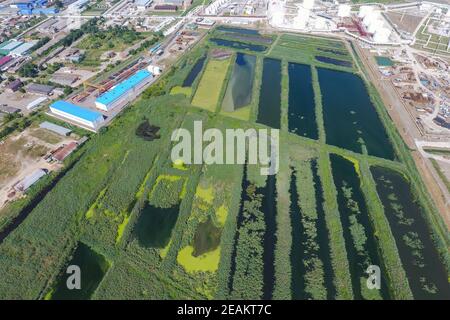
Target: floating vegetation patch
(360, 241)
(147, 131)
(427, 275)
(333, 51)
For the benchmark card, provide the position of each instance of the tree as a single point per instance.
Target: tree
(28, 70)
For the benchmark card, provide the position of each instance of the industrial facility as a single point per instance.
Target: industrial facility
(78, 115)
(124, 92)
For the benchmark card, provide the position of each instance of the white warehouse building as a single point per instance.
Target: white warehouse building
(125, 91)
(78, 115)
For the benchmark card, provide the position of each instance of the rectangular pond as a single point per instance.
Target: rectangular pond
(238, 45)
(427, 274)
(240, 86)
(335, 62)
(302, 109)
(350, 118)
(195, 71)
(270, 95)
(93, 267)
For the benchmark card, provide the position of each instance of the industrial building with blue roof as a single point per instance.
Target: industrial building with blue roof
(79, 115)
(124, 92)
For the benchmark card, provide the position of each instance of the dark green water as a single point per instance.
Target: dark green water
(198, 66)
(154, 226)
(302, 109)
(336, 62)
(238, 30)
(270, 94)
(427, 275)
(206, 238)
(360, 241)
(349, 116)
(333, 51)
(93, 267)
(238, 45)
(240, 86)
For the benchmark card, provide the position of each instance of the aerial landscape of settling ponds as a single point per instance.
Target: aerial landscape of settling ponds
(93, 267)
(195, 71)
(350, 118)
(154, 226)
(359, 235)
(270, 94)
(240, 86)
(427, 275)
(302, 110)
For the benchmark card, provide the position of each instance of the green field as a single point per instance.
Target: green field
(210, 86)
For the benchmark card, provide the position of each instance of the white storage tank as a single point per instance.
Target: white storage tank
(375, 25)
(155, 70)
(382, 35)
(364, 10)
(302, 18)
(344, 10)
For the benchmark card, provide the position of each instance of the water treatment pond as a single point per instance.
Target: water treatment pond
(154, 226)
(384, 61)
(270, 94)
(427, 275)
(350, 118)
(359, 236)
(302, 111)
(238, 30)
(333, 61)
(93, 267)
(240, 86)
(206, 238)
(198, 66)
(238, 45)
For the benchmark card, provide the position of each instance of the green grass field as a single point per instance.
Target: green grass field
(210, 87)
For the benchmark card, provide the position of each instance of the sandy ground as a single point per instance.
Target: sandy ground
(23, 153)
(407, 126)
